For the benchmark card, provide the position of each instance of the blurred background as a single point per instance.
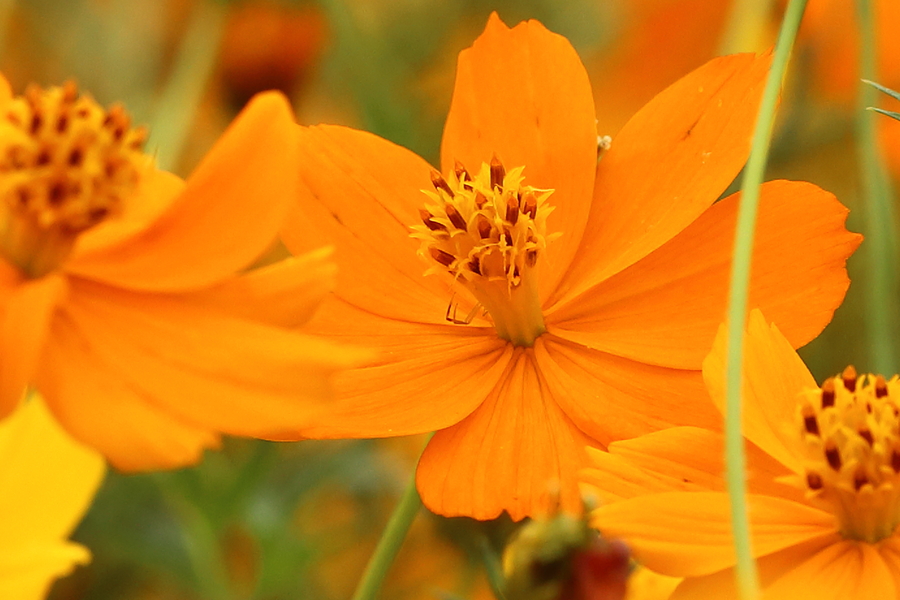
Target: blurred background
(267, 521)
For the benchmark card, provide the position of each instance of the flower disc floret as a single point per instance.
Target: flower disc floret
(66, 165)
(488, 232)
(851, 433)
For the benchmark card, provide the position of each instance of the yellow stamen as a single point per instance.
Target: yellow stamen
(488, 233)
(66, 165)
(851, 430)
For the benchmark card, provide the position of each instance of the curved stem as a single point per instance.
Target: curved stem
(390, 543)
(735, 462)
(879, 210)
(200, 539)
(191, 72)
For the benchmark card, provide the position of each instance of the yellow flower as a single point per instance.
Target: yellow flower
(824, 477)
(47, 481)
(122, 293)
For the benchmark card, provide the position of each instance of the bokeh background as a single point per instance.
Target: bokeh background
(266, 521)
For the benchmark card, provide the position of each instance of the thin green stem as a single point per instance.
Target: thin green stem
(879, 209)
(735, 462)
(492, 567)
(200, 539)
(192, 70)
(390, 543)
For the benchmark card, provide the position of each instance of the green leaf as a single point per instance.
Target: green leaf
(881, 88)
(891, 114)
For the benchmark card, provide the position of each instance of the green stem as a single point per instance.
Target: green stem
(735, 462)
(879, 210)
(492, 567)
(193, 68)
(390, 543)
(200, 539)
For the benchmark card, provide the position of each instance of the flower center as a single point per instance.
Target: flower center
(488, 232)
(851, 429)
(66, 165)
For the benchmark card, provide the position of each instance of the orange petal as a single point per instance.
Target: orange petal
(612, 398)
(523, 94)
(669, 163)
(677, 459)
(104, 411)
(685, 534)
(156, 193)
(890, 552)
(363, 195)
(5, 91)
(426, 377)
(203, 367)
(722, 584)
(846, 569)
(27, 312)
(227, 215)
(518, 452)
(774, 379)
(665, 309)
(284, 294)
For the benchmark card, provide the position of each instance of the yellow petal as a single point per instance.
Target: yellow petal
(48, 479)
(27, 573)
(47, 482)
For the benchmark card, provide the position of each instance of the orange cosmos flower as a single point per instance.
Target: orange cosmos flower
(48, 480)
(588, 323)
(824, 466)
(119, 294)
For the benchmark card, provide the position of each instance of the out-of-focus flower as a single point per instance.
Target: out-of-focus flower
(269, 45)
(824, 475)
(120, 293)
(47, 481)
(596, 316)
(691, 31)
(561, 558)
